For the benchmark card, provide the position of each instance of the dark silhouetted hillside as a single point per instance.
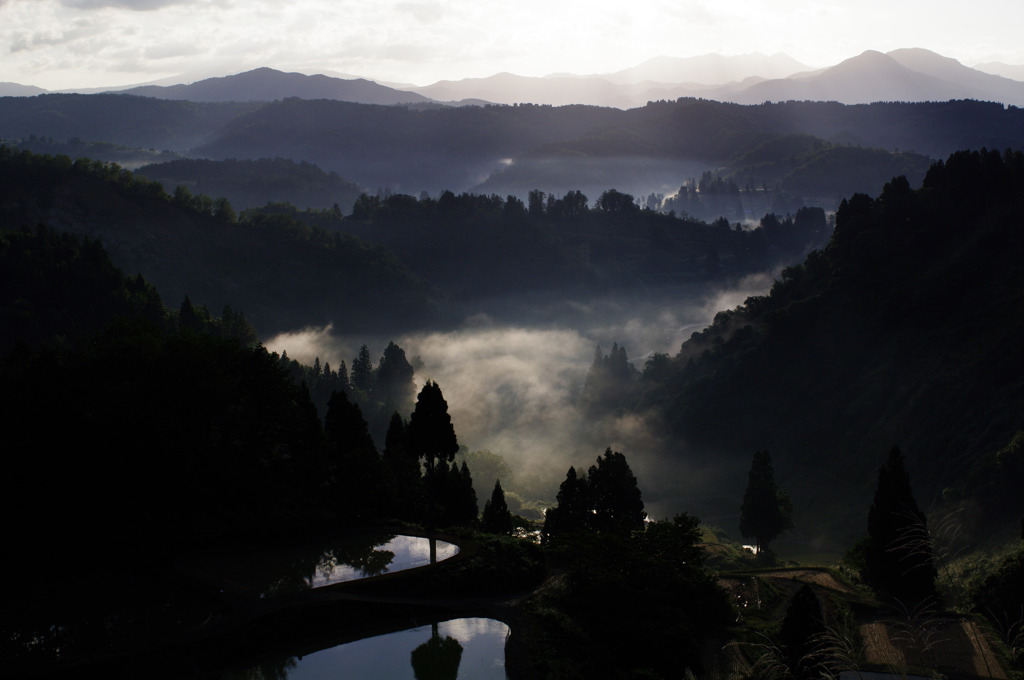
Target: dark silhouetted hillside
(255, 183)
(117, 118)
(905, 329)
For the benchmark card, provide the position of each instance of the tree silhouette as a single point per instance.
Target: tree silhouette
(614, 494)
(394, 386)
(572, 512)
(431, 435)
(362, 377)
(898, 557)
(607, 500)
(496, 518)
(766, 511)
(405, 495)
(356, 467)
(801, 632)
(437, 659)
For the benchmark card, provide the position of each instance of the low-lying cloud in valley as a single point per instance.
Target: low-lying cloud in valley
(513, 388)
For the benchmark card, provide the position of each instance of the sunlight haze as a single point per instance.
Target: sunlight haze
(64, 44)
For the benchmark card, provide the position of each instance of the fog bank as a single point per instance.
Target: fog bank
(512, 388)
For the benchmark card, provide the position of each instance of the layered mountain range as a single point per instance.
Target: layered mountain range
(899, 75)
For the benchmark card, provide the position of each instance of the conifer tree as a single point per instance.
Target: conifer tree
(496, 518)
(394, 386)
(898, 559)
(362, 377)
(431, 437)
(615, 497)
(468, 508)
(802, 628)
(766, 511)
(606, 500)
(402, 473)
(431, 434)
(356, 468)
(572, 512)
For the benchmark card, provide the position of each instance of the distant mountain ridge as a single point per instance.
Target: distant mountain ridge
(18, 90)
(267, 84)
(908, 75)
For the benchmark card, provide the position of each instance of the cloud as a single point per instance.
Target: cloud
(424, 12)
(52, 36)
(512, 377)
(171, 50)
(134, 5)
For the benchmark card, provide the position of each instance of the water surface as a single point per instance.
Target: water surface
(268, 571)
(391, 656)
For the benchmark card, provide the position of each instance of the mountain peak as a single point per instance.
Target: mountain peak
(268, 84)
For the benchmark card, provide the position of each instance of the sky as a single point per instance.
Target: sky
(58, 44)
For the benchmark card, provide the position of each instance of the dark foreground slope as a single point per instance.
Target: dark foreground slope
(906, 329)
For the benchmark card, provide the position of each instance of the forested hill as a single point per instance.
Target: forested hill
(656, 148)
(397, 262)
(116, 118)
(254, 183)
(281, 273)
(906, 329)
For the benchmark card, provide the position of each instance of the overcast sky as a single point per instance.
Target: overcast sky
(87, 43)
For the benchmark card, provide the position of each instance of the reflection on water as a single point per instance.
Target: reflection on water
(438, 658)
(401, 552)
(476, 651)
(268, 572)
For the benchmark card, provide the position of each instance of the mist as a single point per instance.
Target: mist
(512, 381)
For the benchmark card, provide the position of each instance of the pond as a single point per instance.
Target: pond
(265, 572)
(460, 649)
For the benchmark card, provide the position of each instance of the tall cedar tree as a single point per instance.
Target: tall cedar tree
(394, 384)
(496, 518)
(357, 470)
(617, 504)
(801, 633)
(607, 500)
(572, 510)
(406, 498)
(431, 435)
(361, 376)
(766, 511)
(898, 559)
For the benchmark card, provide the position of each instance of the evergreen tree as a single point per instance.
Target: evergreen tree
(607, 500)
(467, 508)
(188, 319)
(343, 383)
(431, 435)
(362, 377)
(766, 511)
(357, 473)
(609, 380)
(615, 497)
(496, 518)
(572, 512)
(402, 473)
(394, 384)
(898, 557)
(801, 632)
